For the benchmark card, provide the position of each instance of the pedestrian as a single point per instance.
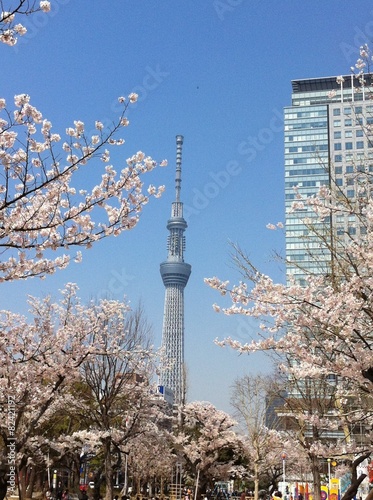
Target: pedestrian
(65, 495)
(83, 495)
(59, 491)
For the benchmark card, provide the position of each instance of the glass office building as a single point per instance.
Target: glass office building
(327, 130)
(328, 142)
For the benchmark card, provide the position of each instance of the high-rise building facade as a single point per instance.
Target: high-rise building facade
(326, 144)
(175, 274)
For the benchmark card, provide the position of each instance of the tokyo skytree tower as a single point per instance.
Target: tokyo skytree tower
(175, 274)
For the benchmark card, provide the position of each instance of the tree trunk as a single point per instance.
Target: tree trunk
(352, 490)
(355, 481)
(315, 470)
(108, 471)
(31, 482)
(370, 495)
(256, 481)
(40, 483)
(97, 484)
(3, 481)
(75, 476)
(22, 482)
(161, 493)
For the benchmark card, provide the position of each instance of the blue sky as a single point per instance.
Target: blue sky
(218, 72)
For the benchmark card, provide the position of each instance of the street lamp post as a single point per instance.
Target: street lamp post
(54, 483)
(196, 485)
(178, 481)
(125, 486)
(329, 479)
(283, 473)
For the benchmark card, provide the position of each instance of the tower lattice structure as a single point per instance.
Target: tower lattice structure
(175, 274)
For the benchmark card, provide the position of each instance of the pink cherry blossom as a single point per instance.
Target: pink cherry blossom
(43, 211)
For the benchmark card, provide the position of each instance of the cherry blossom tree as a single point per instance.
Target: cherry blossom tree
(207, 442)
(71, 357)
(325, 328)
(262, 447)
(325, 325)
(40, 209)
(151, 459)
(115, 402)
(309, 412)
(39, 360)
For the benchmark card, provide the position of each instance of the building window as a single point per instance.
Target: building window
(337, 146)
(337, 123)
(348, 134)
(338, 134)
(347, 111)
(339, 181)
(338, 170)
(360, 145)
(349, 169)
(336, 111)
(350, 193)
(359, 133)
(348, 145)
(348, 122)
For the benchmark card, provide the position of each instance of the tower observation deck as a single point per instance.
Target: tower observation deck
(175, 274)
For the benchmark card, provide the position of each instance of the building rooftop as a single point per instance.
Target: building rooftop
(325, 83)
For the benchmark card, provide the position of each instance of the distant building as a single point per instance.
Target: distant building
(326, 143)
(273, 404)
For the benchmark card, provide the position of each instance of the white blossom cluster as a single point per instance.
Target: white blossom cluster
(40, 210)
(10, 29)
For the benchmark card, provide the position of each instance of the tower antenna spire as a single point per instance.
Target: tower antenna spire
(179, 147)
